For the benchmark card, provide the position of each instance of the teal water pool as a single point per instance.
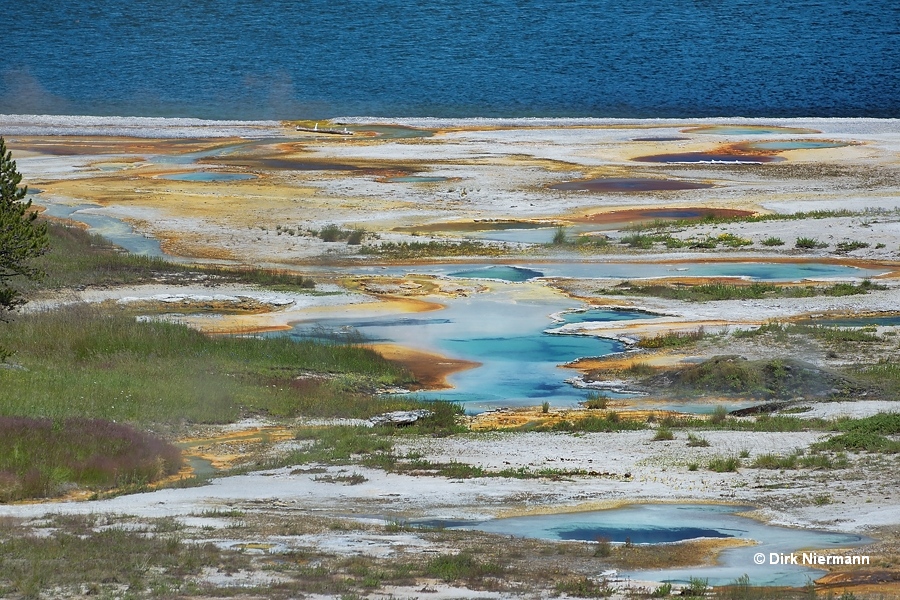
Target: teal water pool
(796, 145)
(602, 315)
(499, 272)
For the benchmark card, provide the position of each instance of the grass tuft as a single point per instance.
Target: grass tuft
(462, 566)
(724, 464)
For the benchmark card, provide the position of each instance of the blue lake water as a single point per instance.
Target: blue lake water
(659, 523)
(316, 59)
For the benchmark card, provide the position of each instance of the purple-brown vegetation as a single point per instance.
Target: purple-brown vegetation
(42, 458)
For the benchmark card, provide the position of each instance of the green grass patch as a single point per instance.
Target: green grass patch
(882, 423)
(410, 250)
(596, 401)
(645, 241)
(672, 339)
(333, 233)
(559, 236)
(462, 567)
(867, 434)
(79, 258)
(724, 464)
(783, 331)
(852, 289)
(640, 241)
(42, 458)
(766, 379)
(374, 447)
(850, 246)
(885, 374)
(858, 441)
(106, 562)
(585, 587)
(608, 422)
(764, 422)
(775, 461)
(77, 361)
(696, 441)
(663, 434)
(712, 219)
(711, 292)
(806, 243)
(585, 243)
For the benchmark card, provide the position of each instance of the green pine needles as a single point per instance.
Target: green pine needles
(21, 237)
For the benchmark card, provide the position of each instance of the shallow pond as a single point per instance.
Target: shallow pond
(661, 523)
(115, 230)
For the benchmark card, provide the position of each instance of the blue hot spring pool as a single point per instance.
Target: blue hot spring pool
(504, 330)
(666, 523)
(796, 145)
(501, 272)
(602, 315)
